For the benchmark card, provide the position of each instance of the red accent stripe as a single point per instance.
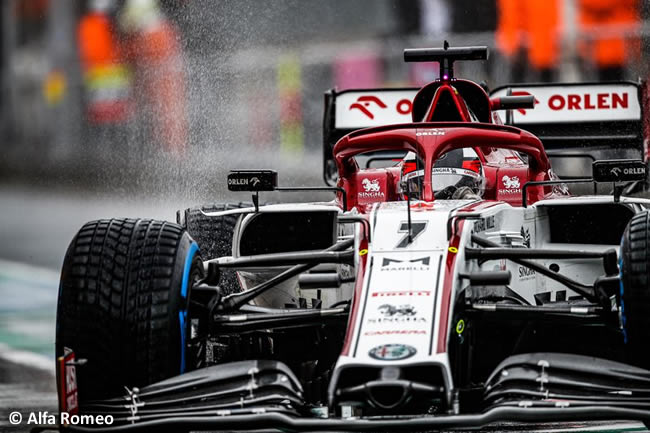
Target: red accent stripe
(481, 205)
(408, 167)
(474, 165)
(356, 300)
(445, 306)
(61, 379)
(446, 290)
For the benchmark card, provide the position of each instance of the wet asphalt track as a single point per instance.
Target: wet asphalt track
(35, 228)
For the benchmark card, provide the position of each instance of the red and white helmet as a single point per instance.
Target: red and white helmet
(456, 169)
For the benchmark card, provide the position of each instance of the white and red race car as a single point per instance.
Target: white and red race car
(459, 286)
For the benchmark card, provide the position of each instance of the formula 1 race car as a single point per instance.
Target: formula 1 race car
(459, 286)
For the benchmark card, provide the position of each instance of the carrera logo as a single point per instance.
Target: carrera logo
(401, 293)
(421, 264)
(600, 101)
(368, 103)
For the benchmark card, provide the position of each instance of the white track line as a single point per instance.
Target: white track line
(622, 426)
(29, 272)
(36, 274)
(28, 359)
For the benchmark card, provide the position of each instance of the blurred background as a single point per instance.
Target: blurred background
(160, 96)
(139, 107)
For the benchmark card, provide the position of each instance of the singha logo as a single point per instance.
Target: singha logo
(372, 190)
(388, 310)
(511, 182)
(370, 185)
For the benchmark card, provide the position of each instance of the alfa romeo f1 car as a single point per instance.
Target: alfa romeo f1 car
(459, 286)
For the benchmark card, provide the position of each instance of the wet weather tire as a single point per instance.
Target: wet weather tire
(214, 236)
(123, 302)
(635, 288)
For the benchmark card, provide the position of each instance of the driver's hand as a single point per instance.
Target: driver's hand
(445, 194)
(465, 193)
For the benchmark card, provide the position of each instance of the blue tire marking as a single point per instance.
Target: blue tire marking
(181, 318)
(188, 265)
(182, 314)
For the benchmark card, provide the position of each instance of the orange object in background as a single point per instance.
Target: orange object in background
(96, 42)
(154, 50)
(607, 50)
(106, 77)
(530, 27)
(510, 33)
(542, 17)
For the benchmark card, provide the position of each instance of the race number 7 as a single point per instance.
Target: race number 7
(417, 227)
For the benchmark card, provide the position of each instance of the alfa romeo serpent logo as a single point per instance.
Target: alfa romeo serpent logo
(392, 352)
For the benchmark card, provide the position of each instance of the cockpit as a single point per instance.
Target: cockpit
(456, 175)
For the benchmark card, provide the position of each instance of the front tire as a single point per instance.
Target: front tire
(123, 301)
(635, 288)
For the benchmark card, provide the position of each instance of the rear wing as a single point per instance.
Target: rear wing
(353, 109)
(594, 120)
(581, 116)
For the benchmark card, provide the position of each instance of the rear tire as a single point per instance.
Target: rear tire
(214, 236)
(123, 303)
(635, 288)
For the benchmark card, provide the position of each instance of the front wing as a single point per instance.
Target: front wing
(246, 395)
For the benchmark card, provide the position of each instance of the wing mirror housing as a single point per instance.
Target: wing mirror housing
(512, 102)
(252, 180)
(620, 170)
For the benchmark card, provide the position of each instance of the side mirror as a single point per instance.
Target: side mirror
(512, 102)
(620, 170)
(252, 180)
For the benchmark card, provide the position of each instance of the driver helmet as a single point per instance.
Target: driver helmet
(458, 174)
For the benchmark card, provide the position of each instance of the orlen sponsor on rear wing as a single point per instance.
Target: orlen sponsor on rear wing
(571, 103)
(596, 120)
(353, 109)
